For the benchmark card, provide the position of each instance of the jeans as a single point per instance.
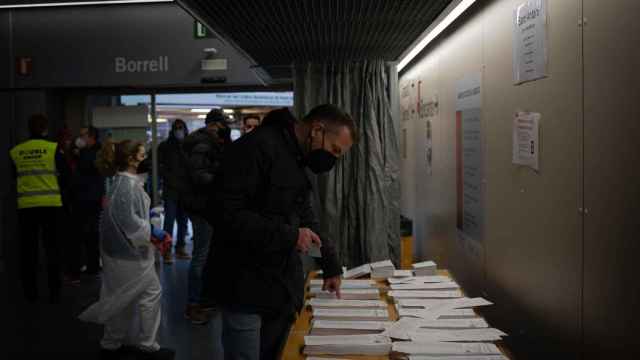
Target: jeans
(174, 212)
(201, 239)
(252, 337)
(36, 222)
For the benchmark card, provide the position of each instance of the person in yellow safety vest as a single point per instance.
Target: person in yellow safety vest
(38, 178)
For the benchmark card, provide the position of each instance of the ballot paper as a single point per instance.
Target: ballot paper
(346, 304)
(419, 279)
(444, 314)
(450, 285)
(357, 272)
(402, 328)
(327, 327)
(347, 345)
(382, 269)
(460, 303)
(322, 358)
(465, 335)
(347, 284)
(449, 357)
(348, 294)
(314, 251)
(444, 348)
(425, 268)
(402, 273)
(425, 294)
(351, 314)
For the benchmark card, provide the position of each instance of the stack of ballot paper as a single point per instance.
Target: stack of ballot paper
(419, 279)
(346, 304)
(348, 294)
(402, 273)
(351, 314)
(347, 345)
(465, 335)
(425, 268)
(449, 285)
(325, 328)
(357, 272)
(445, 357)
(402, 328)
(435, 315)
(347, 284)
(428, 304)
(435, 348)
(382, 269)
(418, 294)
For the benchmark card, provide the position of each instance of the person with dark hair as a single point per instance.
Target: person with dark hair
(131, 289)
(88, 191)
(204, 150)
(266, 219)
(249, 123)
(40, 173)
(173, 171)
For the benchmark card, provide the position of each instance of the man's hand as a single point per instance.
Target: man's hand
(332, 285)
(306, 238)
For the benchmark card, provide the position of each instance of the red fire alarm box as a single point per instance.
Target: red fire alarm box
(24, 66)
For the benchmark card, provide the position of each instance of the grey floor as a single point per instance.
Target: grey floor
(43, 328)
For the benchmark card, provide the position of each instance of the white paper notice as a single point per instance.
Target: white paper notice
(529, 41)
(526, 139)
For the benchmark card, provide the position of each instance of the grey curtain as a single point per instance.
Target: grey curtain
(358, 201)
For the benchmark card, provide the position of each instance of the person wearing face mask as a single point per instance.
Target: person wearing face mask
(266, 220)
(131, 290)
(250, 123)
(204, 150)
(88, 190)
(39, 170)
(172, 170)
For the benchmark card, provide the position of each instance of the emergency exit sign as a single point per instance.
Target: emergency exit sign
(200, 31)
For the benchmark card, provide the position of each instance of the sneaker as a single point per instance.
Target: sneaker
(182, 255)
(195, 314)
(161, 354)
(168, 258)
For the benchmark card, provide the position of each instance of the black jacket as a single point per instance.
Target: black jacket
(265, 198)
(172, 168)
(203, 158)
(88, 185)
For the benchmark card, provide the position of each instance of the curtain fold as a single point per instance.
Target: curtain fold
(358, 202)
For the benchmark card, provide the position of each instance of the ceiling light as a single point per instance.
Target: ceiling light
(204, 111)
(202, 116)
(228, 111)
(161, 120)
(79, 3)
(445, 19)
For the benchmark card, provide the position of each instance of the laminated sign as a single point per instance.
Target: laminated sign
(526, 139)
(530, 41)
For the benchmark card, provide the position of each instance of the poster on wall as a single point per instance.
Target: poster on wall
(530, 41)
(428, 112)
(405, 89)
(526, 139)
(469, 163)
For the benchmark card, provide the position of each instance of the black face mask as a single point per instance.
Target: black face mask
(320, 160)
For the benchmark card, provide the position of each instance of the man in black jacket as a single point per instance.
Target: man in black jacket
(267, 220)
(175, 180)
(203, 150)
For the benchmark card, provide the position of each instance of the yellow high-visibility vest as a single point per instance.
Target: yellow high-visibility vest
(37, 181)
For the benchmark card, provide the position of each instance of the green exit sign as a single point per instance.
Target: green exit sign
(200, 31)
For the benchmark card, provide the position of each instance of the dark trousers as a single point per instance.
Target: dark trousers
(35, 223)
(174, 212)
(87, 216)
(254, 337)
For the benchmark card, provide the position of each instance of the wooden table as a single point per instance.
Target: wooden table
(295, 341)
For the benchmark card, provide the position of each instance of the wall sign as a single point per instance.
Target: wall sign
(530, 41)
(124, 65)
(526, 139)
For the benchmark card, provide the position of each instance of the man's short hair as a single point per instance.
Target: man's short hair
(38, 124)
(248, 117)
(333, 117)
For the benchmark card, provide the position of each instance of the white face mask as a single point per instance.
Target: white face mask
(179, 134)
(80, 143)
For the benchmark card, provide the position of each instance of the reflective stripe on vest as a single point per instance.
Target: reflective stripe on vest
(37, 183)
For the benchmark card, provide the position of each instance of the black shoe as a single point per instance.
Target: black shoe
(161, 354)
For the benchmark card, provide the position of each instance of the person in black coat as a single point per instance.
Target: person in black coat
(175, 181)
(266, 220)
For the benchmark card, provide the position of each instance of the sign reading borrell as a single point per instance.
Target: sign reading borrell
(124, 65)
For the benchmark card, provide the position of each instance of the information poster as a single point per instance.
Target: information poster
(526, 139)
(428, 113)
(530, 41)
(469, 163)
